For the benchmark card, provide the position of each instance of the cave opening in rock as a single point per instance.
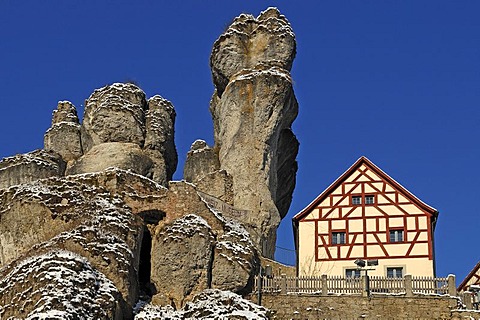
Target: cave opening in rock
(150, 217)
(145, 265)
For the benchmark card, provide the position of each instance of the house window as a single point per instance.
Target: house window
(369, 199)
(396, 272)
(352, 273)
(396, 235)
(356, 200)
(338, 237)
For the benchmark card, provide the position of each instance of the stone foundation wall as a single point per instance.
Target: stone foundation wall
(313, 307)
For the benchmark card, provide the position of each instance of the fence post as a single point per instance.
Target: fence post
(365, 285)
(283, 284)
(324, 285)
(467, 300)
(452, 290)
(408, 285)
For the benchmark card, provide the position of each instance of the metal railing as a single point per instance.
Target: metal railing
(325, 285)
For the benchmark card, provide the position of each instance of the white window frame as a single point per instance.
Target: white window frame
(352, 273)
(339, 237)
(356, 200)
(395, 271)
(398, 235)
(369, 199)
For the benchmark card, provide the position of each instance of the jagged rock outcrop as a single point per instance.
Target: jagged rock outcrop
(106, 217)
(182, 253)
(24, 168)
(67, 215)
(253, 108)
(202, 168)
(64, 137)
(114, 113)
(266, 41)
(235, 259)
(159, 126)
(92, 224)
(57, 285)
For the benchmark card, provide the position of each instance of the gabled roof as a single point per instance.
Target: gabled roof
(468, 277)
(364, 161)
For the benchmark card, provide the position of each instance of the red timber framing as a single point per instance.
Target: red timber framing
(380, 218)
(472, 278)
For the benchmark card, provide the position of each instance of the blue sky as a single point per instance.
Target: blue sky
(396, 81)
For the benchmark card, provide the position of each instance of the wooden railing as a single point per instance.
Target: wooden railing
(426, 285)
(325, 285)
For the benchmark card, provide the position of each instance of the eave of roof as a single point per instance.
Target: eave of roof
(468, 277)
(348, 172)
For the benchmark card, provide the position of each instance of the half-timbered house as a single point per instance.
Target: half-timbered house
(365, 214)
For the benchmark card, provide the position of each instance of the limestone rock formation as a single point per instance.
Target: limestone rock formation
(182, 252)
(253, 108)
(235, 261)
(24, 168)
(250, 42)
(114, 113)
(136, 234)
(202, 168)
(64, 137)
(126, 156)
(159, 125)
(93, 227)
(68, 215)
(66, 286)
(120, 129)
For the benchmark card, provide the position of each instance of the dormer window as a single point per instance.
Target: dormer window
(356, 200)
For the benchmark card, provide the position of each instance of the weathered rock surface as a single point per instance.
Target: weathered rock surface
(209, 304)
(235, 261)
(24, 168)
(253, 108)
(202, 168)
(116, 229)
(64, 137)
(103, 218)
(250, 42)
(201, 160)
(126, 156)
(120, 129)
(182, 254)
(57, 285)
(160, 129)
(68, 215)
(114, 113)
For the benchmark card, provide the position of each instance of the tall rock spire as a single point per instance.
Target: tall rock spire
(253, 108)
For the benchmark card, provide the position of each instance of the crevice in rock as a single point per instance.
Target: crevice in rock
(210, 266)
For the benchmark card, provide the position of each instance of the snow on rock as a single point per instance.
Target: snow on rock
(236, 260)
(181, 260)
(56, 285)
(64, 137)
(28, 167)
(85, 219)
(209, 304)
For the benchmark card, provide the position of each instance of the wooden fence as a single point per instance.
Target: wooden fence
(325, 285)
